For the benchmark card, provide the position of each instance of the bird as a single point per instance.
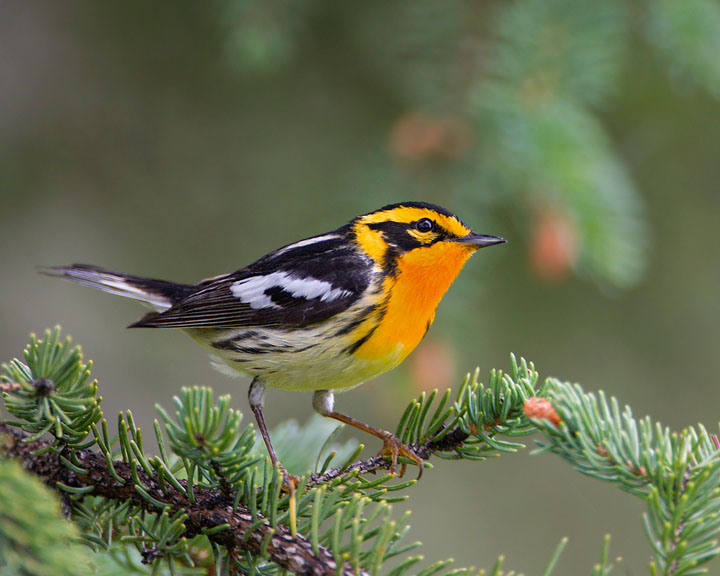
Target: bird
(326, 313)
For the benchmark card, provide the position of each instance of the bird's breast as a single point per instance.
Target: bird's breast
(423, 276)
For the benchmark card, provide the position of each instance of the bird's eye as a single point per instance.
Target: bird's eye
(424, 225)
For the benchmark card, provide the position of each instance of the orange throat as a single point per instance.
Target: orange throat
(423, 276)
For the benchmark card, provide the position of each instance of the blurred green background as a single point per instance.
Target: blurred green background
(183, 140)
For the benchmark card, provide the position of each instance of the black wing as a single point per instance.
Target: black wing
(298, 285)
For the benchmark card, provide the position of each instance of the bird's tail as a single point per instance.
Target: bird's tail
(158, 294)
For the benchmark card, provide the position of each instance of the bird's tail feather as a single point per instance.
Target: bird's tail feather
(158, 294)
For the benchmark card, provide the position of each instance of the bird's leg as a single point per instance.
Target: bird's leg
(324, 403)
(256, 396)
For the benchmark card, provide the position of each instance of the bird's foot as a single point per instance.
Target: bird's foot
(290, 481)
(393, 447)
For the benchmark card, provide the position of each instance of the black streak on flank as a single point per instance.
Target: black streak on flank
(252, 351)
(234, 346)
(355, 345)
(231, 343)
(224, 344)
(362, 316)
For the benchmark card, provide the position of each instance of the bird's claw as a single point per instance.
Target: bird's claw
(289, 481)
(393, 447)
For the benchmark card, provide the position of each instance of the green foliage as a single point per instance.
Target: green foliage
(55, 393)
(261, 36)
(544, 48)
(212, 501)
(318, 439)
(542, 143)
(500, 104)
(687, 34)
(208, 455)
(411, 60)
(129, 540)
(34, 538)
(208, 437)
(677, 474)
(480, 411)
(325, 514)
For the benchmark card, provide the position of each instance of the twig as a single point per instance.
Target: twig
(449, 442)
(677, 536)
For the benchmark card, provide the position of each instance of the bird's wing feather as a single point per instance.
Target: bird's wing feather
(298, 285)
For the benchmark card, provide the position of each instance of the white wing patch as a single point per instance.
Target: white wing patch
(252, 290)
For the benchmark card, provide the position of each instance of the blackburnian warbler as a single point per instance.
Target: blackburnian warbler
(326, 313)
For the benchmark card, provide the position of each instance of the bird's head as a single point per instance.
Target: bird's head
(417, 232)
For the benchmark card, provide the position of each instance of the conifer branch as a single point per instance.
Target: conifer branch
(209, 511)
(677, 474)
(210, 483)
(450, 441)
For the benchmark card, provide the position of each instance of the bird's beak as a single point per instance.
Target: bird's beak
(478, 241)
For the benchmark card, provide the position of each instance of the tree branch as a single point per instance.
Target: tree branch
(452, 440)
(210, 509)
